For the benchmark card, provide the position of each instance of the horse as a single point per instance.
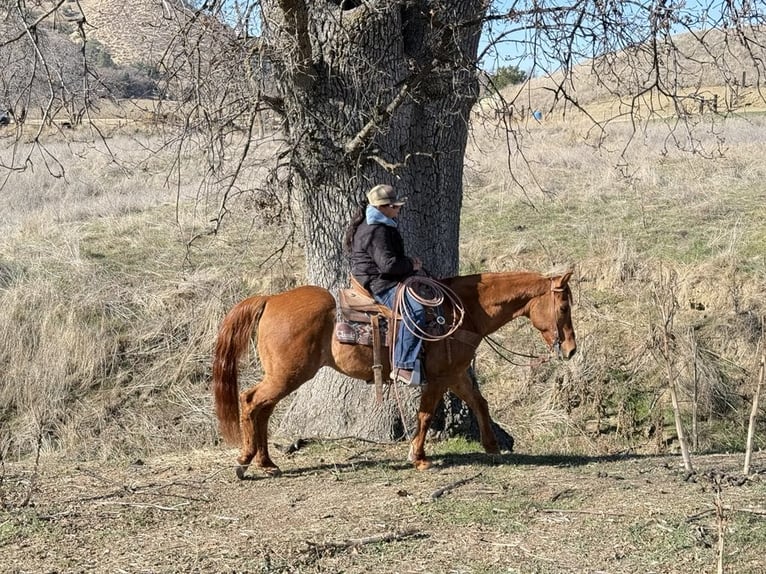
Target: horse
(295, 338)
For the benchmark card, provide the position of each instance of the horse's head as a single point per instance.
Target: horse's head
(551, 315)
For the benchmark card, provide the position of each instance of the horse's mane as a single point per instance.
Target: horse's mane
(559, 270)
(476, 278)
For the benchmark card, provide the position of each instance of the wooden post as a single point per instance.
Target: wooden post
(666, 299)
(754, 410)
(695, 391)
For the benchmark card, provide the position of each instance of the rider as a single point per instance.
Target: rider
(379, 263)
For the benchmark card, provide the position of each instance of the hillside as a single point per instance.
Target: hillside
(136, 32)
(705, 72)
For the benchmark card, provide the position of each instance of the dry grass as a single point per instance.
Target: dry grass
(109, 313)
(625, 215)
(109, 318)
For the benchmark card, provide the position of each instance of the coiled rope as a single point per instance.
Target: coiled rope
(441, 296)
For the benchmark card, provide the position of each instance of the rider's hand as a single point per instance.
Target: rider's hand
(417, 264)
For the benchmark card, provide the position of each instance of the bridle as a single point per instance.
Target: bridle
(554, 347)
(556, 344)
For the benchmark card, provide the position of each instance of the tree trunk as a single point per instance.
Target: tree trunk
(373, 94)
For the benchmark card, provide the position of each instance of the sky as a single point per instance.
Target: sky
(516, 42)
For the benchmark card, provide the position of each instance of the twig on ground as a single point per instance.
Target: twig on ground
(699, 515)
(145, 505)
(574, 511)
(727, 508)
(356, 542)
(758, 511)
(452, 486)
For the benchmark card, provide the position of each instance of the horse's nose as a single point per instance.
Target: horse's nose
(569, 353)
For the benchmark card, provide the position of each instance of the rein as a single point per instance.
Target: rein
(503, 353)
(539, 359)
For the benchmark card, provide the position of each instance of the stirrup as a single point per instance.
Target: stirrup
(413, 381)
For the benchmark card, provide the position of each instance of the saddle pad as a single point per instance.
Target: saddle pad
(359, 333)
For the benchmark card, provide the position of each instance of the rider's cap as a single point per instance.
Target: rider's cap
(384, 195)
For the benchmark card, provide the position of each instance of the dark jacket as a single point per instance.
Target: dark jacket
(377, 257)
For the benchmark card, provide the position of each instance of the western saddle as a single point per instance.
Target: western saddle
(363, 321)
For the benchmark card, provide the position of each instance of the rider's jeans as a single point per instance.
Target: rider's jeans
(407, 345)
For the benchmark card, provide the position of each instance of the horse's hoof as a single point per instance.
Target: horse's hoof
(273, 472)
(422, 464)
(240, 469)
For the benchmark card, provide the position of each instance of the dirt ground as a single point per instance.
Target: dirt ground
(347, 506)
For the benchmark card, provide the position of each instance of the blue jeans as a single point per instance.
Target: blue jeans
(407, 345)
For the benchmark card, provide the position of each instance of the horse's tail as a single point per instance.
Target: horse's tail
(232, 344)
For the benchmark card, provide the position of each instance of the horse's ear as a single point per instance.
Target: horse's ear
(564, 279)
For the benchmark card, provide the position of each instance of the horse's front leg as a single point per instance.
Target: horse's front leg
(464, 388)
(428, 401)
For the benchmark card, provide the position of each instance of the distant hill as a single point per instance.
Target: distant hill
(725, 67)
(135, 32)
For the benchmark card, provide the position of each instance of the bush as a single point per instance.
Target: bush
(506, 76)
(128, 83)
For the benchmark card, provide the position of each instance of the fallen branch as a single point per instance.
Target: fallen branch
(573, 511)
(756, 511)
(357, 542)
(452, 486)
(145, 505)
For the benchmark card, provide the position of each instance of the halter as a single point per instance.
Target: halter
(538, 360)
(556, 345)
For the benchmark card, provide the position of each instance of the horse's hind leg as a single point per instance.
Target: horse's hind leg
(257, 404)
(247, 431)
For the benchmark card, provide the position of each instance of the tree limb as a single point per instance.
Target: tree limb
(452, 486)
(356, 542)
(354, 147)
(297, 27)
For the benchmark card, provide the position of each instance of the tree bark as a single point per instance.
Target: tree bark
(382, 94)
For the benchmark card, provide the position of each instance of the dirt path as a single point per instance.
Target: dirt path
(353, 507)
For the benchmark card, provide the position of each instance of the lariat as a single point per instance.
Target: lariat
(440, 297)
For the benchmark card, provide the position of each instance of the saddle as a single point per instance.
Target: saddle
(363, 321)
(356, 312)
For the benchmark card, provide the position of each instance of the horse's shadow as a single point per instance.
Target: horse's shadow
(449, 460)
(480, 459)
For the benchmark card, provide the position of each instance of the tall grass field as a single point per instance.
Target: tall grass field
(109, 311)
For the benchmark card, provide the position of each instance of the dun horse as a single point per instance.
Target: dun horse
(295, 336)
